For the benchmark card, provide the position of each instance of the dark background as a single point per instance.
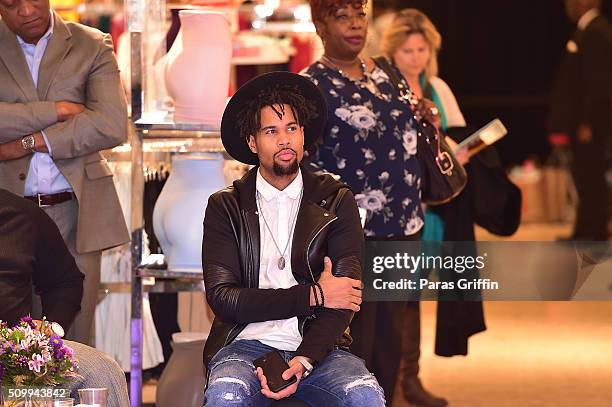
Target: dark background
(500, 58)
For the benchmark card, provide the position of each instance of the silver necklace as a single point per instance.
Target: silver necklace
(365, 82)
(281, 260)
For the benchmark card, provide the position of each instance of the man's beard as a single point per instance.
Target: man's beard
(291, 169)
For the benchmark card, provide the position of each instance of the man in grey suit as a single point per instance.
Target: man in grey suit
(61, 103)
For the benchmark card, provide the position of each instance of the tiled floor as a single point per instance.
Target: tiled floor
(532, 354)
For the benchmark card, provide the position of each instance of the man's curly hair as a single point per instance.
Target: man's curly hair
(249, 118)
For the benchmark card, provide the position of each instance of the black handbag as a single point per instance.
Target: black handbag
(442, 177)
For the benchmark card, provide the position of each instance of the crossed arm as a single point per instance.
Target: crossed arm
(231, 301)
(71, 129)
(342, 289)
(11, 147)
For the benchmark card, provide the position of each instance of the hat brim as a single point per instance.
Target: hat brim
(236, 145)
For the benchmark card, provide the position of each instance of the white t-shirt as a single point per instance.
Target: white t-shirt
(279, 209)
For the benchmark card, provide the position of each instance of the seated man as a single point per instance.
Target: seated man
(269, 244)
(33, 253)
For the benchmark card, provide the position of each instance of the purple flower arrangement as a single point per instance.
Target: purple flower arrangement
(29, 356)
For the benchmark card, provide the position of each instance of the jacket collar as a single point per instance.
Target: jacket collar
(15, 62)
(11, 54)
(268, 191)
(57, 49)
(312, 217)
(316, 187)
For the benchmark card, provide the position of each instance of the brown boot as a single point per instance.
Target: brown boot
(417, 395)
(411, 351)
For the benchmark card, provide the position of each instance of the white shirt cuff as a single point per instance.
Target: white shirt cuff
(47, 142)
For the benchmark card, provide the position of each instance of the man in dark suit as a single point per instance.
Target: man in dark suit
(582, 109)
(33, 254)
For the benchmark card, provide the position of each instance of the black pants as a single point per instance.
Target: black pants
(377, 331)
(588, 171)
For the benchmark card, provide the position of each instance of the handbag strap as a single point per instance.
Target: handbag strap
(406, 95)
(398, 82)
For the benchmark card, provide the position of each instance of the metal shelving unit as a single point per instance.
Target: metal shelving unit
(167, 136)
(154, 131)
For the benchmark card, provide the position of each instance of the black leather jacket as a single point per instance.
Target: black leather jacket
(327, 225)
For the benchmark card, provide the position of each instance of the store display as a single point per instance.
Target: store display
(91, 397)
(252, 48)
(198, 67)
(113, 310)
(183, 379)
(179, 211)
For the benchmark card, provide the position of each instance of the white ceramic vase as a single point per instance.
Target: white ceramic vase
(179, 211)
(183, 379)
(198, 67)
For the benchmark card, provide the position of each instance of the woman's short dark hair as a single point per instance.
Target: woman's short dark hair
(249, 119)
(324, 8)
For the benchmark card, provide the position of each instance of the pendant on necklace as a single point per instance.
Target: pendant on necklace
(281, 263)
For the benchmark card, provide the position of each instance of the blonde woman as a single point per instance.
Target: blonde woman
(412, 43)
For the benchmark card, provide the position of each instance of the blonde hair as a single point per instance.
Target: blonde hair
(407, 22)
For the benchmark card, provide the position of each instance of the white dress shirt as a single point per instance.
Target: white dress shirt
(280, 210)
(43, 175)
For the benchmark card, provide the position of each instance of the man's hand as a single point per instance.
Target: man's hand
(427, 109)
(295, 369)
(14, 149)
(339, 292)
(584, 134)
(67, 110)
(40, 146)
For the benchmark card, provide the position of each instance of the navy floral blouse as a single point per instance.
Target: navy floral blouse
(371, 144)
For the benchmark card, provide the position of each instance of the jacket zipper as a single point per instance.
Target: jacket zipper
(310, 269)
(310, 243)
(311, 276)
(231, 331)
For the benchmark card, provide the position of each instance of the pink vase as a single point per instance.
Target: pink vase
(198, 67)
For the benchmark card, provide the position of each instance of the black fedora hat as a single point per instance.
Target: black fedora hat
(236, 144)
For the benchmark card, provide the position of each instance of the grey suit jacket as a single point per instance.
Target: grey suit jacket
(78, 66)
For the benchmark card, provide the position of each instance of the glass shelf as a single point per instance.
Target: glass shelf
(150, 123)
(161, 134)
(165, 274)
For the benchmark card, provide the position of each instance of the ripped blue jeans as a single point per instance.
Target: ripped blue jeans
(341, 379)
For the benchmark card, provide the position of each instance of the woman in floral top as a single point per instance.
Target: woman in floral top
(371, 143)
